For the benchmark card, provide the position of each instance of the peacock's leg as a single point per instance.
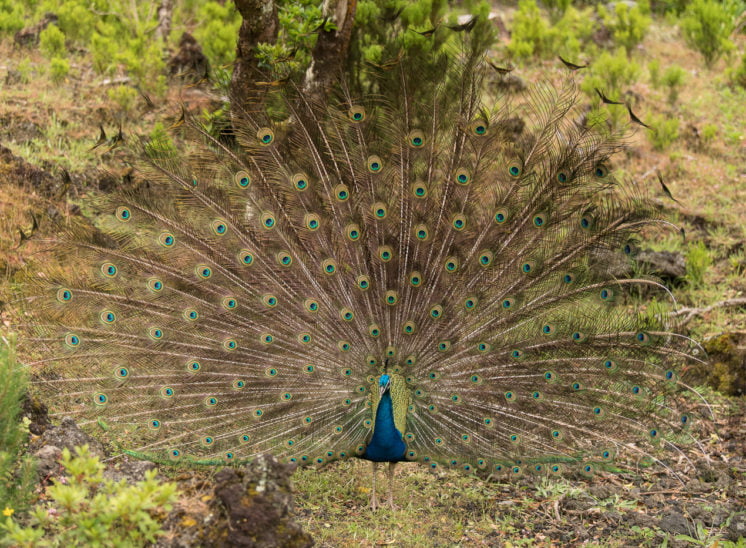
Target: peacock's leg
(390, 474)
(373, 499)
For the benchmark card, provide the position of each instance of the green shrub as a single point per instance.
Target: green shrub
(529, 35)
(664, 132)
(76, 19)
(654, 70)
(709, 132)
(698, 262)
(557, 8)
(11, 16)
(707, 26)
(58, 69)
(738, 74)
(296, 36)
(17, 470)
(217, 32)
(610, 73)
(103, 49)
(533, 35)
(627, 24)
(52, 42)
(88, 510)
(673, 79)
(124, 96)
(25, 69)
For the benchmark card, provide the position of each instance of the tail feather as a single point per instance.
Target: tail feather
(247, 297)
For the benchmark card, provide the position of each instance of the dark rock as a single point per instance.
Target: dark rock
(30, 35)
(737, 527)
(129, 469)
(251, 507)
(37, 414)
(641, 520)
(667, 265)
(48, 458)
(510, 83)
(18, 171)
(726, 368)
(601, 492)
(69, 435)
(675, 523)
(189, 62)
(512, 128)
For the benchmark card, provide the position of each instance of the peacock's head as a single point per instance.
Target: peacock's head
(384, 384)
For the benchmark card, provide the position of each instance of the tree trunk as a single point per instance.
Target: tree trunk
(165, 11)
(259, 24)
(331, 49)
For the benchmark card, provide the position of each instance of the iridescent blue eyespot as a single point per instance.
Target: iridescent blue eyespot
(109, 270)
(265, 136)
(123, 214)
(64, 295)
(246, 257)
(242, 179)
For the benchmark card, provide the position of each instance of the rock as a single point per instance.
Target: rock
(189, 62)
(726, 368)
(37, 414)
(251, 507)
(675, 523)
(132, 470)
(69, 435)
(667, 265)
(17, 171)
(30, 35)
(48, 461)
(510, 83)
(737, 527)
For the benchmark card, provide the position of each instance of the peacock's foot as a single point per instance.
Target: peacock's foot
(373, 502)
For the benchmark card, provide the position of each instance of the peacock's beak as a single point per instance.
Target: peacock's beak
(383, 388)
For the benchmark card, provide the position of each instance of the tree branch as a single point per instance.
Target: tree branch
(690, 313)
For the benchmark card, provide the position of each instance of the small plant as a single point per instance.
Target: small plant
(11, 17)
(52, 42)
(627, 24)
(124, 96)
(530, 30)
(698, 262)
(738, 74)
(654, 70)
(611, 73)
(17, 472)
(88, 510)
(673, 79)
(218, 31)
(24, 69)
(532, 34)
(58, 69)
(76, 19)
(665, 131)
(707, 26)
(557, 8)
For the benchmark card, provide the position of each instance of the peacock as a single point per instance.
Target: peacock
(418, 272)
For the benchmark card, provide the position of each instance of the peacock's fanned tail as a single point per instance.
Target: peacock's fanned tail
(246, 299)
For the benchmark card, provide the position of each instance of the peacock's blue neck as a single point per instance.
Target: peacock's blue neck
(386, 444)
